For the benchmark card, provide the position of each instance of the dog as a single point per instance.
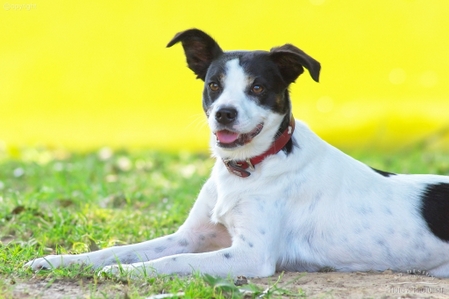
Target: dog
(279, 198)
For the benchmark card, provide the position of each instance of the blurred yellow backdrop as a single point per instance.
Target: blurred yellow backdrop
(85, 74)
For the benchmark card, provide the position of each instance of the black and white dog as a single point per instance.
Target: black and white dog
(279, 197)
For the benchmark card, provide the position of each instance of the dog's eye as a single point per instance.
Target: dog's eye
(257, 89)
(214, 86)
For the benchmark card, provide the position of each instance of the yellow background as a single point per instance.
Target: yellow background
(84, 74)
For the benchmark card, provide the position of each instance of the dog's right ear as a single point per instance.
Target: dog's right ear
(291, 61)
(200, 50)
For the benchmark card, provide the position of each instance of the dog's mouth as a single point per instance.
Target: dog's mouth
(230, 139)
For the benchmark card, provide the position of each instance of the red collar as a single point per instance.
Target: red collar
(238, 167)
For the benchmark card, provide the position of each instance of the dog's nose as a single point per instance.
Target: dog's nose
(226, 115)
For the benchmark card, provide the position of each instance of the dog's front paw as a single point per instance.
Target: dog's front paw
(133, 271)
(45, 263)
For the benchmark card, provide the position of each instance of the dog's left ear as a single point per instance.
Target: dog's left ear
(200, 50)
(291, 61)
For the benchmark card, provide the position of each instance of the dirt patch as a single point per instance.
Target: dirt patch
(66, 288)
(311, 285)
(362, 285)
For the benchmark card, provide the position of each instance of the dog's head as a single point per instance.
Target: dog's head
(245, 93)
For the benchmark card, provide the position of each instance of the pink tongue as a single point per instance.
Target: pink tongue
(226, 136)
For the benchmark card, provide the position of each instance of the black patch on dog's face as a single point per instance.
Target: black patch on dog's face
(215, 74)
(435, 209)
(261, 72)
(265, 73)
(383, 173)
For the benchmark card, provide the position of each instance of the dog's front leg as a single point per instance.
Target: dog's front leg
(253, 253)
(145, 251)
(234, 261)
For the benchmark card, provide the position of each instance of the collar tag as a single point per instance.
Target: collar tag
(238, 168)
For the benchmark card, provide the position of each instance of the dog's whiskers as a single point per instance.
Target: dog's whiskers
(198, 121)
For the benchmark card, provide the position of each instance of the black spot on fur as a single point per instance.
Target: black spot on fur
(227, 255)
(383, 173)
(159, 249)
(365, 211)
(380, 242)
(183, 243)
(435, 209)
(130, 258)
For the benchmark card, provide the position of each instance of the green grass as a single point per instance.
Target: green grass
(54, 201)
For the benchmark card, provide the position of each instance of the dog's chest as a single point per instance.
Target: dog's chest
(239, 197)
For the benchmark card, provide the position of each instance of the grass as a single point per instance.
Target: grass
(55, 201)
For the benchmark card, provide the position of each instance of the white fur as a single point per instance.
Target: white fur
(314, 208)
